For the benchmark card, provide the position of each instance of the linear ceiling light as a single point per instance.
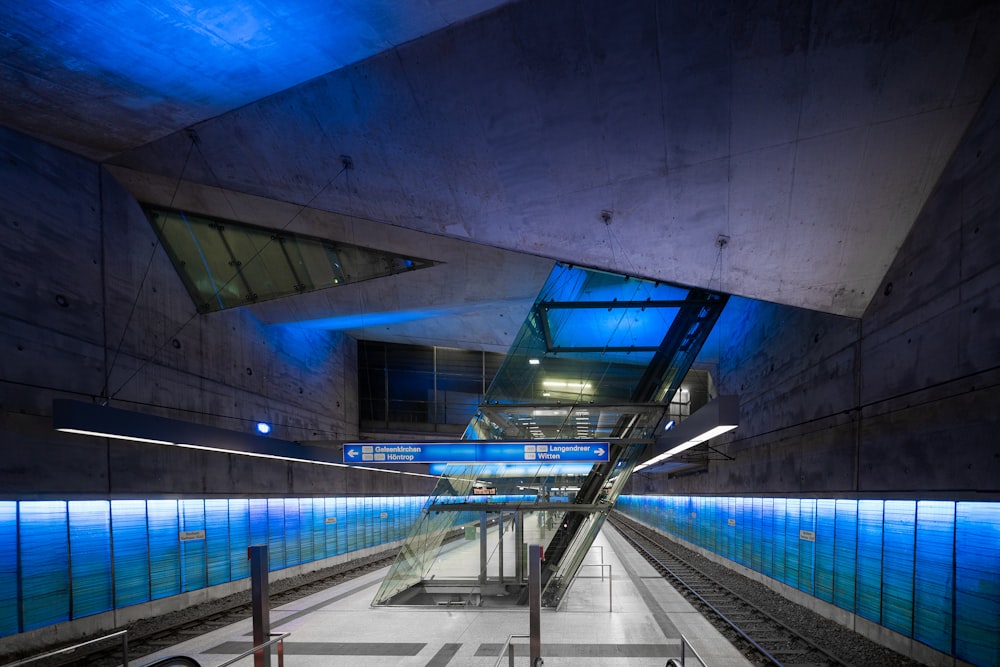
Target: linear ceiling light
(106, 422)
(717, 417)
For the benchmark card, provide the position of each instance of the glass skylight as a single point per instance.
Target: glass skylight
(226, 264)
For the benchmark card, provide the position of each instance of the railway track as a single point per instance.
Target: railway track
(762, 638)
(149, 637)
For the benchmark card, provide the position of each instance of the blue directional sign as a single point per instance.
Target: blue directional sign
(476, 452)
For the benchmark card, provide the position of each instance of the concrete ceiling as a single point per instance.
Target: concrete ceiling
(498, 136)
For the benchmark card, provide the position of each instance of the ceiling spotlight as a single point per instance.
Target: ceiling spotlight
(263, 428)
(669, 425)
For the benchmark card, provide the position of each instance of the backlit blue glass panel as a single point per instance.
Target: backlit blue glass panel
(258, 523)
(792, 542)
(90, 556)
(756, 551)
(807, 550)
(330, 526)
(217, 540)
(194, 563)
(744, 523)
(370, 520)
(239, 538)
(898, 542)
(45, 574)
(845, 554)
(164, 548)
(977, 582)
(293, 532)
(307, 549)
(726, 532)
(8, 568)
(767, 537)
(342, 526)
(355, 525)
(131, 551)
(780, 505)
(869, 571)
(275, 533)
(826, 516)
(934, 573)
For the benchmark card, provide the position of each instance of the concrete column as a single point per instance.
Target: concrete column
(260, 604)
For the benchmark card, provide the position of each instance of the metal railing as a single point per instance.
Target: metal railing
(508, 648)
(278, 638)
(685, 644)
(69, 649)
(598, 546)
(610, 585)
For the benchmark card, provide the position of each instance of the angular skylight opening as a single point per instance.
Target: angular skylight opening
(227, 264)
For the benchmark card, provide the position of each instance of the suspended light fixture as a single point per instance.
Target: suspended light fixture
(106, 422)
(717, 417)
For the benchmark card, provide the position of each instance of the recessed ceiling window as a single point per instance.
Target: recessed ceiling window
(226, 264)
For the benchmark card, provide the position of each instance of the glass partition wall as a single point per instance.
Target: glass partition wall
(599, 357)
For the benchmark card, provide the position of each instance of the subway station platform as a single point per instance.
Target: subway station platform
(634, 618)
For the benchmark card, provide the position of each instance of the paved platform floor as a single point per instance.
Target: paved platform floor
(339, 627)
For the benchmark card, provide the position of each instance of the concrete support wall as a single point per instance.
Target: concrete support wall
(900, 403)
(92, 309)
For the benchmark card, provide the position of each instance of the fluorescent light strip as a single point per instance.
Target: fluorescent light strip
(567, 385)
(697, 440)
(115, 436)
(151, 441)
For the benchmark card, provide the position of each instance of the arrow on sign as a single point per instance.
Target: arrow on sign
(599, 451)
(352, 453)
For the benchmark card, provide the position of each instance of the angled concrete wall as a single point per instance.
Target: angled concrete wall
(91, 309)
(900, 403)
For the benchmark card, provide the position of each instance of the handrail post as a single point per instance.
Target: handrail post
(125, 650)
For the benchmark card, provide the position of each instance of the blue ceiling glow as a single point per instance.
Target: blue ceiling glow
(361, 320)
(217, 54)
(298, 347)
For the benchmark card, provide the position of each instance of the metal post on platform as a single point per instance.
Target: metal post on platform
(483, 551)
(535, 605)
(519, 547)
(500, 545)
(260, 604)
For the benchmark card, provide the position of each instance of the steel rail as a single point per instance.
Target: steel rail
(628, 531)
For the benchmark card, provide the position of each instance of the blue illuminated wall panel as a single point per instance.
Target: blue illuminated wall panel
(194, 573)
(806, 547)
(826, 517)
(977, 582)
(239, 538)
(845, 553)
(43, 535)
(8, 568)
(293, 532)
(307, 550)
(934, 574)
(131, 559)
(898, 544)
(164, 548)
(217, 540)
(924, 569)
(868, 579)
(88, 557)
(276, 533)
(792, 542)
